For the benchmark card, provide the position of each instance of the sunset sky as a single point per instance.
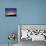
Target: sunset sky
(10, 11)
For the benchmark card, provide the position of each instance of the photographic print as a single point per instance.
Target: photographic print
(10, 11)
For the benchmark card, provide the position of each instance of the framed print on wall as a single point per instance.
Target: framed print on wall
(10, 11)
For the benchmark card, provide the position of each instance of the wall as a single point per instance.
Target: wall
(28, 12)
(8, 24)
(33, 12)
